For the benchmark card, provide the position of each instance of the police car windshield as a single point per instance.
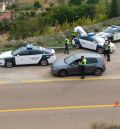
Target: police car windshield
(110, 30)
(71, 59)
(17, 51)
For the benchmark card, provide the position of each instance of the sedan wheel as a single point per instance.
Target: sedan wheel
(44, 62)
(8, 64)
(63, 73)
(100, 50)
(98, 72)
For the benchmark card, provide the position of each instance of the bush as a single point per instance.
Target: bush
(37, 4)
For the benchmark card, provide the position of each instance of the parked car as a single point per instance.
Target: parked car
(91, 42)
(70, 66)
(111, 32)
(27, 55)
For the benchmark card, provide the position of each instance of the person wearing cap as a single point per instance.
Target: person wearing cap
(83, 62)
(67, 42)
(107, 49)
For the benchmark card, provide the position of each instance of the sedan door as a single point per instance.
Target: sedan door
(84, 41)
(74, 68)
(92, 44)
(91, 65)
(22, 58)
(35, 56)
(116, 35)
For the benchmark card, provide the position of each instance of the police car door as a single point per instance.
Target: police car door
(84, 41)
(92, 44)
(22, 58)
(116, 35)
(35, 56)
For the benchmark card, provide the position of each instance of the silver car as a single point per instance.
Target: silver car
(70, 65)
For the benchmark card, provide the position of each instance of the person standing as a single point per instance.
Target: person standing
(107, 49)
(83, 62)
(67, 42)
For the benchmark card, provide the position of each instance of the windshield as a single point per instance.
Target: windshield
(110, 30)
(70, 59)
(17, 51)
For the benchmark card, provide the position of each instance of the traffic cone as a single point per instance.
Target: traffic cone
(116, 104)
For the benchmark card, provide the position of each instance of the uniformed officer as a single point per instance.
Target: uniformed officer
(67, 42)
(83, 62)
(74, 34)
(107, 49)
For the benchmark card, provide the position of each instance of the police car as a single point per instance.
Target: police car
(91, 42)
(112, 33)
(28, 55)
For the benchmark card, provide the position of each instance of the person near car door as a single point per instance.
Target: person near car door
(107, 49)
(67, 42)
(83, 62)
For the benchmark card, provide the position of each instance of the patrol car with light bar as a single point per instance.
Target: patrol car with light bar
(92, 42)
(28, 55)
(112, 33)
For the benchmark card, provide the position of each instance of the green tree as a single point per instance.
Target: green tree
(37, 4)
(114, 8)
(92, 1)
(75, 2)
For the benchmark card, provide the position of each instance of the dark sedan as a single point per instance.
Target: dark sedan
(70, 66)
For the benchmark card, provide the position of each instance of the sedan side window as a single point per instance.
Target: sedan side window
(91, 39)
(91, 60)
(23, 53)
(36, 52)
(76, 62)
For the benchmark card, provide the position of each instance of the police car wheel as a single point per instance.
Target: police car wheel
(100, 50)
(63, 73)
(98, 72)
(77, 45)
(8, 64)
(43, 62)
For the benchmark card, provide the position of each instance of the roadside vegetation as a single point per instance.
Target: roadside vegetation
(48, 26)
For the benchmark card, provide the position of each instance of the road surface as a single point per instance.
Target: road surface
(59, 105)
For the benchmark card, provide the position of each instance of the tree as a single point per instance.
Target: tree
(92, 1)
(37, 4)
(75, 2)
(114, 8)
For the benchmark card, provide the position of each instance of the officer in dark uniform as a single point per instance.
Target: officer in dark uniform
(83, 62)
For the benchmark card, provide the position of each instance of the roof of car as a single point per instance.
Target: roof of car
(114, 26)
(88, 55)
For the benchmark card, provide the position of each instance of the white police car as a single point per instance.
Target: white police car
(91, 42)
(28, 55)
(112, 33)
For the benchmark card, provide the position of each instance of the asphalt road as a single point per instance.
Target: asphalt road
(59, 105)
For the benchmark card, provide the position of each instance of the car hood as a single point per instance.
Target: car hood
(80, 30)
(6, 54)
(59, 63)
